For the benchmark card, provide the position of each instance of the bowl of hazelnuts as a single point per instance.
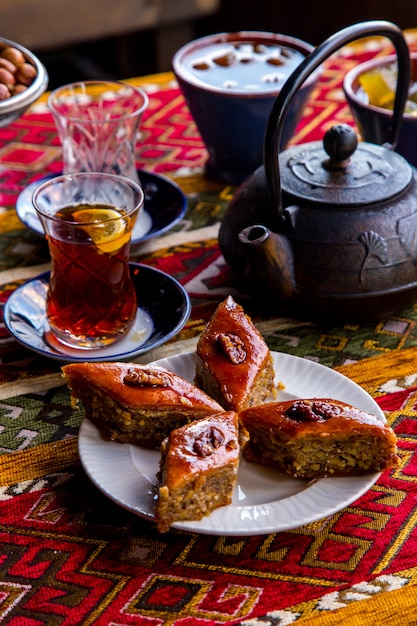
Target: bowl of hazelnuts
(23, 79)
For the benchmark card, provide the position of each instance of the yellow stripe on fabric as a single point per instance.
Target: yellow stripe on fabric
(316, 122)
(181, 238)
(396, 607)
(22, 273)
(9, 221)
(36, 384)
(197, 183)
(37, 462)
(373, 372)
(164, 79)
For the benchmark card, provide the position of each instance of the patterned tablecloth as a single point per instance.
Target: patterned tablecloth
(69, 555)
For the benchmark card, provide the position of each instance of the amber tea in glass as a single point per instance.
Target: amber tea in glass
(88, 220)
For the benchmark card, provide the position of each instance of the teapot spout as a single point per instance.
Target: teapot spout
(269, 263)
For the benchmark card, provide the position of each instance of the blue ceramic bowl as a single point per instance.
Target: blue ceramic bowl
(373, 122)
(231, 100)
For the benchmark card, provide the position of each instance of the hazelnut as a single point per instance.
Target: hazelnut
(18, 89)
(14, 55)
(25, 74)
(7, 78)
(4, 92)
(8, 65)
(16, 73)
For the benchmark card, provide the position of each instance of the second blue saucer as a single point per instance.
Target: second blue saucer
(165, 205)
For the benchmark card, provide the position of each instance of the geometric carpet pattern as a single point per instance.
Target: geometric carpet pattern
(69, 555)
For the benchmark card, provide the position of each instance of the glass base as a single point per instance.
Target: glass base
(86, 343)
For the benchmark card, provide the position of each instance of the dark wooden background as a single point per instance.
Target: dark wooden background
(81, 39)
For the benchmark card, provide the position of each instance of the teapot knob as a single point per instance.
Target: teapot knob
(302, 72)
(340, 142)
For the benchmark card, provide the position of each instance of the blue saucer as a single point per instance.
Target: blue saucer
(163, 309)
(165, 205)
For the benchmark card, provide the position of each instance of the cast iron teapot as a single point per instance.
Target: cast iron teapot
(329, 228)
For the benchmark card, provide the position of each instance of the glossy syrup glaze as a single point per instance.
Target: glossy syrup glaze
(134, 385)
(232, 350)
(200, 447)
(325, 415)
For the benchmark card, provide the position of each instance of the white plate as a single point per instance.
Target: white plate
(265, 500)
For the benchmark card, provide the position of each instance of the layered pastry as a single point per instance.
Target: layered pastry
(136, 404)
(234, 365)
(318, 437)
(198, 469)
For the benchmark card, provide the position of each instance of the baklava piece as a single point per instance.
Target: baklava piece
(234, 365)
(198, 469)
(136, 404)
(318, 437)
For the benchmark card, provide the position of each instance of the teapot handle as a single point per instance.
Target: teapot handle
(307, 66)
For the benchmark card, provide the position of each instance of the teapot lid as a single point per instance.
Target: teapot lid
(341, 171)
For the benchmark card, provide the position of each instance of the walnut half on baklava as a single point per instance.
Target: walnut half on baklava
(198, 469)
(233, 363)
(137, 404)
(318, 437)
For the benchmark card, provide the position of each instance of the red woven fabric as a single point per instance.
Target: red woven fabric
(68, 553)
(70, 556)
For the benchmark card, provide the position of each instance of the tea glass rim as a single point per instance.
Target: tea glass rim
(89, 83)
(116, 177)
